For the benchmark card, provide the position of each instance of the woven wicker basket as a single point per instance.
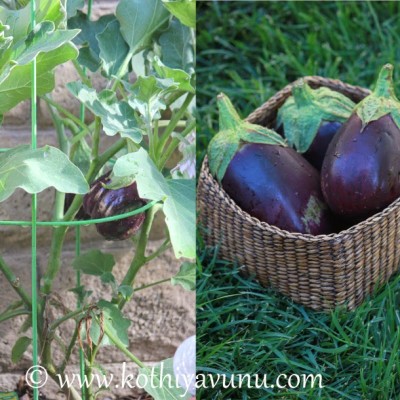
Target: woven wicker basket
(320, 272)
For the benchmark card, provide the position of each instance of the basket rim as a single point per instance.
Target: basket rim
(339, 236)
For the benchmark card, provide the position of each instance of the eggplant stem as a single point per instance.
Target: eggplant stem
(384, 85)
(302, 93)
(228, 116)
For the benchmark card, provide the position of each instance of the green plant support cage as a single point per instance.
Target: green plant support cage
(34, 223)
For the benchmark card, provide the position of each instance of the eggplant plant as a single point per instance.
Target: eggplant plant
(145, 51)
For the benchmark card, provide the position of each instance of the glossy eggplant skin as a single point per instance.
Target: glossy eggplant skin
(361, 171)
(277, 185)
(316, 153)
(101, 202)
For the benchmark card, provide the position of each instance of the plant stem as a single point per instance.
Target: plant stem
(122, 70)
(96, 139)
(13, 314)
(155, 134)
(174, 144)
(174, 97)
(64, 111)
(165, 246)
(66, 317)
(60, 232)
(15, 283)
(72, 127)
(82, 74)
(122, 347)
(152, 284)
(54, 262)
(140, 255)
(173, 122)
(151, 138)
(69, 349)
(59, 125)
(109, 153)
(63, 145)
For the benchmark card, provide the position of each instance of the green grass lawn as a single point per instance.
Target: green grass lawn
(250, 50)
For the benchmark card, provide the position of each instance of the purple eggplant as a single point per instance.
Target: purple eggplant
(277, 185)
(101, 202)
(264, 177)
(310, 119)
(361, 171)
(319, 146)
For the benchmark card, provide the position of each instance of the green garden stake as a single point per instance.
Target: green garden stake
(34, 218)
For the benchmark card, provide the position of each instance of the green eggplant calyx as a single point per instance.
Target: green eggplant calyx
(384, 85)
(233, 132)
(302, 113)
(381, 101)
(302, 94)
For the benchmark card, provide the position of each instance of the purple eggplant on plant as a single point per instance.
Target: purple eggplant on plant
(101, 202)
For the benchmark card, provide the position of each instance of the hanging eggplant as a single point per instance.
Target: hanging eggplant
(101, 202)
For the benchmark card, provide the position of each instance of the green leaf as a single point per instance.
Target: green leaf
(73, 6)
(19, 348)
(106, 316)
(89, 53)
(302, 113)
(26, 325)
(116, 116)
(184, 10)
(125, 291)
(17, 86)
(157, 382)
(147, 96)
(94, 262)
(36, 170)
(20, 20)
(51, 47)
(186, 277)
(139, 20)
(180, 77)
(108, 278)
(178, 196)
(81, 292)
(113, 48)
(5, 41)
(115, 321)
(44, 39)
(177, 47)
(82, 156)
(138, 63)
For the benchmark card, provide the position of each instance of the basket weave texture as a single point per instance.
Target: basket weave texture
(320, 272)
